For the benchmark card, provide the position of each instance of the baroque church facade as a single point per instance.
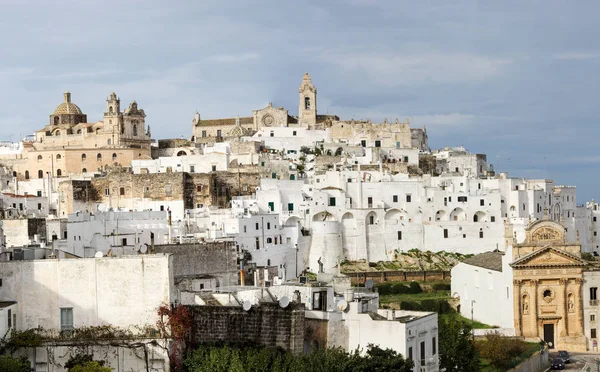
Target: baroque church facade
(70, 145)
(548, 286)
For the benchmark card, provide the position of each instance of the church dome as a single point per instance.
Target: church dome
(67, 107)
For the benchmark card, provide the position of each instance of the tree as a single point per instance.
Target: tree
(175, 322)
(457, 350)
(90, 367)
(338, 151)
(501, 351)
(9, 363)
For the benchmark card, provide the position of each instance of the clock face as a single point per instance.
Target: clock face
(268, 120)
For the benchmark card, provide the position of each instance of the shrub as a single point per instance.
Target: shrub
(415, 288)
(441, 287)
(501, 351)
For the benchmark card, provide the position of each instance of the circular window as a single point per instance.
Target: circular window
(268, 120)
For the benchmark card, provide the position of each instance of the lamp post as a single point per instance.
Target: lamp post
(296, 264)
(472, 321)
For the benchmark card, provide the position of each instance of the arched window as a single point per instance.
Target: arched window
(26, 174)
(134, 129)
(108, 142)
(39, 158)
(97, 130)
(56, 120)
(181, 153)
(83, 157)
(269, 240)
(110, 110)
(307, 103)
(40, 174)
(58, 173)
(78, 131)
(58, 157)
(57, 133)
(114, 157)
(99, 157)
(84, 170)
(14, 174)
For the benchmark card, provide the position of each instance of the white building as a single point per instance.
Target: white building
(121, 233)
(65, 294)
(485, 288)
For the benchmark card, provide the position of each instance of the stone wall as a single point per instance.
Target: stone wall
(218, 259)
(265, 325)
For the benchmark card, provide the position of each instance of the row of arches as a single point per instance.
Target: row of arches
(393, 216)
(83, 157)
(40, 174)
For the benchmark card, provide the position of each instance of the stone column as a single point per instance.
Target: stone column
(517, 306)
(534, 304)
(564, 329)
(579, 304)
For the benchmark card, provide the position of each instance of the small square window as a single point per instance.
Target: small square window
(122, 191)
(332, 202)
(395, 198)
(293, 133)
(399, 235)
(107, 192)
(257, 226)
(445, 233)
(408, 198)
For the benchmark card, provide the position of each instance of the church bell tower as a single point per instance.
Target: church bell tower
(307, 111)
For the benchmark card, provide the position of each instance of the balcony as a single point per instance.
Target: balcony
(593, 302)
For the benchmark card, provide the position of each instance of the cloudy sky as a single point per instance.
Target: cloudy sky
(517, 80)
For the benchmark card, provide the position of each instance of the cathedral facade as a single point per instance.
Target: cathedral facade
(217, 130)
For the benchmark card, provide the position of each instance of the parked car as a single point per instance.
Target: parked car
(564, 355)
(558, 363)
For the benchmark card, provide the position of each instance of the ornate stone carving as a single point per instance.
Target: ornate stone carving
(548, 295)
(545, 234)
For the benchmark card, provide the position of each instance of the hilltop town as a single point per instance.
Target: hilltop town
(276, 229)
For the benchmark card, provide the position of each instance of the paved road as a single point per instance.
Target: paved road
(580, 361)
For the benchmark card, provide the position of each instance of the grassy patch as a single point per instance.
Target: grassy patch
(397, 298)
(532, 348)
(456, 316)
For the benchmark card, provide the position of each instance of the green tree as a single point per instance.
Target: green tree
(501, 351)
(9, 363)
(90, 367)
(457, 350)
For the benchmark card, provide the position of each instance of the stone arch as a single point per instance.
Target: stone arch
(479, 216)
(458, 214)
(440, 215)
(83, 157)
(323, 216)
(393, 216)
(58, 173)
(26, 174)
(40, 174)
(371, 218)
(291, 222)
(181, 153)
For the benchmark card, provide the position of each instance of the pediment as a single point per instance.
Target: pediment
(548, 257)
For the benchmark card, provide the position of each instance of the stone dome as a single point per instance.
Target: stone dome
(67, 107)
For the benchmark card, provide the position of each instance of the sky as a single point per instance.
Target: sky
(516, 80)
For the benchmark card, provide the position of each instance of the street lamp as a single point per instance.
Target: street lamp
(296, 246)
(472, 322)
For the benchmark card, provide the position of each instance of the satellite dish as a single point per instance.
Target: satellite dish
(246, 305)
(99, 254)
(342, 305)
(144, 248)
(284, 302)
(369, 283)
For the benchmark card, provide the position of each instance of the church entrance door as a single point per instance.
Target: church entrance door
(549, 335)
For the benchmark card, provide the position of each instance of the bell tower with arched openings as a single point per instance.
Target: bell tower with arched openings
(307, 111)
(113, 115)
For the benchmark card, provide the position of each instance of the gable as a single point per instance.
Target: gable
(546, 257)
(544, 232)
